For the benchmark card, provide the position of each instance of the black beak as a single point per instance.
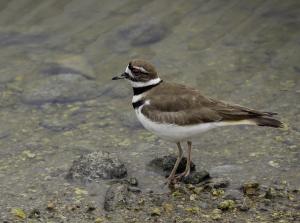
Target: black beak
(122, 76)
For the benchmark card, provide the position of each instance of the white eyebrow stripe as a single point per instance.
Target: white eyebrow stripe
(141, 69)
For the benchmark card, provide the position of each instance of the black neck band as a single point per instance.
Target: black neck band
(140, 90)
(137, 104)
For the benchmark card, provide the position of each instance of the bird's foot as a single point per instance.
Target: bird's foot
(171, 181)
(182, 175)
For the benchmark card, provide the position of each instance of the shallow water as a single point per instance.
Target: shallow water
(57, 100)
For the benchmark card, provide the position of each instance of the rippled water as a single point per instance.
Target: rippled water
(57, 100)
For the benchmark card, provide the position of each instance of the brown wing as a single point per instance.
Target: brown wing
(180, 105)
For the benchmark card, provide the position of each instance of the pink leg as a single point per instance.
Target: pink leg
(171, 178)
(188, 162)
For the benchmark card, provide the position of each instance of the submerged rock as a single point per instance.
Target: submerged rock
(97, 165)
(116, 196)
(61, 88)
(144, 34)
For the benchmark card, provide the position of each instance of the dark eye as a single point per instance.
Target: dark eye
(135, 70)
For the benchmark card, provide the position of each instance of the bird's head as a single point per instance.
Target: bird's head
(139, 73)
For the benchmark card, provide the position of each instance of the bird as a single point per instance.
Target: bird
(179, 113)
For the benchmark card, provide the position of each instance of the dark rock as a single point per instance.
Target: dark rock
(97, 165)
(63, 88)
(235, 195)
(196, 177)
(167, 163)
(116, 196)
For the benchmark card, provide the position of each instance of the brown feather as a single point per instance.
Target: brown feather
(182, 105)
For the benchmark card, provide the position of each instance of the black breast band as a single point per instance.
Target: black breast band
(140, 90)
(138, 104)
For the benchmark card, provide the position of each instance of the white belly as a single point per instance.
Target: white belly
(174, 133)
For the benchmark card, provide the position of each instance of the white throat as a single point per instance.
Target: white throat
(145, 84)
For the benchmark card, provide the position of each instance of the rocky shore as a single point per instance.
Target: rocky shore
(199, 198)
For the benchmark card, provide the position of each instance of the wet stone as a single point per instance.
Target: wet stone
(167, 163)
(63, 88)
(116, 196)
(97, 165)
(196, 177)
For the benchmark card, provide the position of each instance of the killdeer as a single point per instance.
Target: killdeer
(178, 113)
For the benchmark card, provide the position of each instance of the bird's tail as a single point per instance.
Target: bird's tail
(266, 121)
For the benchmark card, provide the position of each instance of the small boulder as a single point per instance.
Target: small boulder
(97, 165)
(196, 177)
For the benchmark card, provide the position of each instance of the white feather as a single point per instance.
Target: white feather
(138, 97)
(145, 84)
(176, 133)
